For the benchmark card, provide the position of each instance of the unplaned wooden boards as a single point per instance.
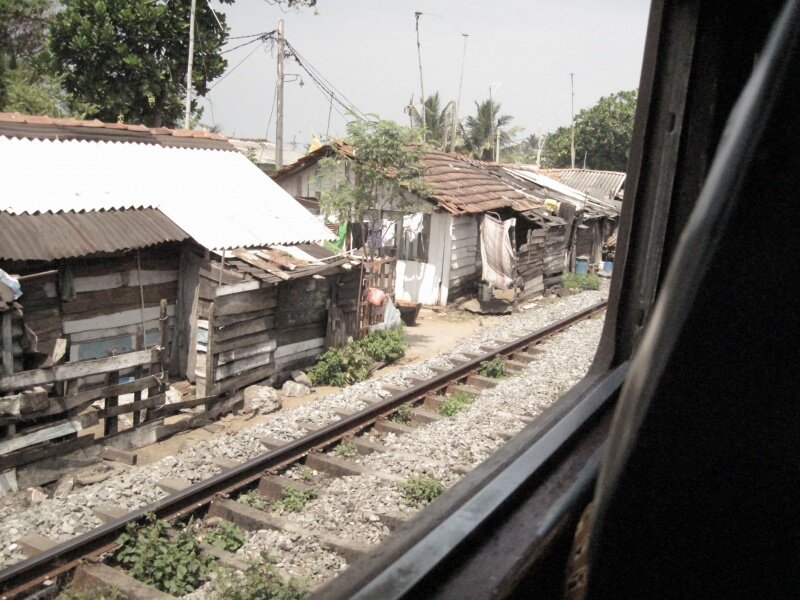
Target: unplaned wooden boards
(79, 369)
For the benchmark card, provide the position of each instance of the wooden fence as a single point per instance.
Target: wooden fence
(46, 412)
(379, 273)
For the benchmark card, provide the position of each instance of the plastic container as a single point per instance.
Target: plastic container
(581, 265)
(485, 292)
(608, 266)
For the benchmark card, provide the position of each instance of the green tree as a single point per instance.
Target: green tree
(28, 82)
(522, 152)
(372, 173)
(480, 131)
(129, 57)
(437, 120)
(602, 135)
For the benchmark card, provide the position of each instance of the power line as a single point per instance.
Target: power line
(239, 64)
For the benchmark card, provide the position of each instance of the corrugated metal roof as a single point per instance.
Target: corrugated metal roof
(587, 180)
(563, 192)
(220, 199)
(67, 235)
(16, 125)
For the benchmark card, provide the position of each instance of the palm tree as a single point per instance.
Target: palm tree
(480, 131)
(436, 120)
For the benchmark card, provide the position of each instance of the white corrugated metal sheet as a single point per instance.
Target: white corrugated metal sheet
(219, 198)
(576, 197)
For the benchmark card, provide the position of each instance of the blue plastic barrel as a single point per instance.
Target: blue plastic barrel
(608, 266)
(581, 266)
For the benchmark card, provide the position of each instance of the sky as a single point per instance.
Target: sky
(521, 50)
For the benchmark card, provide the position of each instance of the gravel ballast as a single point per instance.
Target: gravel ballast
(348, 507)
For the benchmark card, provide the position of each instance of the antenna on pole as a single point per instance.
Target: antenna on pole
(421, 89)
(458, 98)
(572, 142)
(188, 108)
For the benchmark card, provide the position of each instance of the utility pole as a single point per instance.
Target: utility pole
(188, 108)
(458, 98)
(421, 89)
(572, 143)
(330, 109)
(497, 146)
(279, 102)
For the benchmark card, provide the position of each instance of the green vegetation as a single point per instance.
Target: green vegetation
(261, 581)
(493, 368)
(418, 491)
(97, 593)
(175, 566)
(602, 135)
(577, 282)
(226, 535)
(402, 415)
(352, 362)
(455, 404)
(372, 173)
(387, 345)
(346, 448)
(292, 501)
(305, 473)
(255, 500)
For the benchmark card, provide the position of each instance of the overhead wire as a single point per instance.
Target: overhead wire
(239, 64)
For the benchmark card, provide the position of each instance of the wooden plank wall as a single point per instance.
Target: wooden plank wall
(105, 311)
(301, 321)
(530, 261)
(343, 315)
(239, 341)
(41, 308)
(555, 252)
(465, 258)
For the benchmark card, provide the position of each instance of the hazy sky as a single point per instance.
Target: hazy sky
(524, 49)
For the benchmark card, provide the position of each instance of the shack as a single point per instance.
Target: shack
(475, 222)
(118, 250)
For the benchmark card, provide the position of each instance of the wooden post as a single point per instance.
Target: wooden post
(138, 373)
(8, 354)
(111, 424)
(163, 340)
(210, 366)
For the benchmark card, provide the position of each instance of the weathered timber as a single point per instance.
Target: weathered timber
(222, 406)
(241, 366)
(31, 455)
(226, 320)
(249, 301)
(106, 302)
(245, 352)
(79, 369)
(257, 325)
(48, 432)
(154, 402)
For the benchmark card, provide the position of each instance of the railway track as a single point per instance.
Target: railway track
(42, 571)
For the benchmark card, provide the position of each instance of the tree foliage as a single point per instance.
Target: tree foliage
(22, 36)
(437, 121)
(602, 135)
(129, 57)
(480, 131)
(383, 167)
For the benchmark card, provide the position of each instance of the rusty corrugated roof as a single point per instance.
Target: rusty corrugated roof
(34, 127)
(52, 236)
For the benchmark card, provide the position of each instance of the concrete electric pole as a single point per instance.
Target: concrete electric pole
(279, 102)
(421, 89)
(572, 91)
(188, 108)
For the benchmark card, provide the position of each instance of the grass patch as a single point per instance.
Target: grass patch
(292, 501)
(174, 566)
(578, 282)
(346, 448)
(419, 491)
(106, 592)
(455, 404)
(226, 535)
(255, 500)
(493, 368)
(402, 415)
(261, 581)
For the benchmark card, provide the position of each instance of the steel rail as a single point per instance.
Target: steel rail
(26, 574)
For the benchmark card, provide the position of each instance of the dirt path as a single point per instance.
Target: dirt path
(433, 332)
